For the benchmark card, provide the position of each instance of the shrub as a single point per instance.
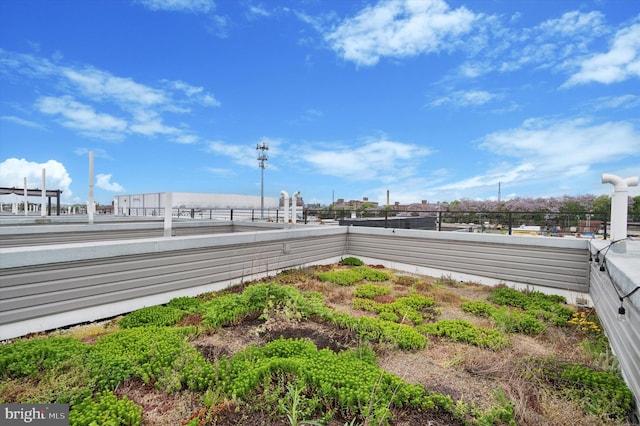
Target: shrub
(351, 261)
(152, 315)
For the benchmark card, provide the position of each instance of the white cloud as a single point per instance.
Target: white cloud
(221, 172)
(548, 153)
(97, 153)
(399, 28)
(187, 139)
(193, 6)
(617, 102)
(553, 44)
(461, 98)
(505, 173)
(561, 144)
(240, 154)
(103, 181)
(102, 85)
(21, 121)
(82, 117)
(375, 159)
(99, 104)
(14, 170)
(620, 63)
(196, 93)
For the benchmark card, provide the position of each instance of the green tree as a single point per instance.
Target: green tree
(634, 211)
(602, 206)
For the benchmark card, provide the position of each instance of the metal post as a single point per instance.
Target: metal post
(262, 159)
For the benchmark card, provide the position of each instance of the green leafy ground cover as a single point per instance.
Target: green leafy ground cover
(385, 317)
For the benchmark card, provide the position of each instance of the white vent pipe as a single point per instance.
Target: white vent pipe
(26, 199)
(168, 213)
(43, 205)
(285, 194)
(90, 203)
(294, 207)
(619, 204)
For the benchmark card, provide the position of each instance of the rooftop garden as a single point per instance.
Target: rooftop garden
(344, 344)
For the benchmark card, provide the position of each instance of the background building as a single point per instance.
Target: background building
(123, 204)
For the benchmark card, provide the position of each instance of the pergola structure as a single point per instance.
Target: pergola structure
(50, 193)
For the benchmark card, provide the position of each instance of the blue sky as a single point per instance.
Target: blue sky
(429, 99)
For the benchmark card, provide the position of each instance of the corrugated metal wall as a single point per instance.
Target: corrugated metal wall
(554, 263)
(624, 331)
(111, 272)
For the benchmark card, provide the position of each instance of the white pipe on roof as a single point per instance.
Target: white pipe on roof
(285, 194)
(619, 204)
(294, 206)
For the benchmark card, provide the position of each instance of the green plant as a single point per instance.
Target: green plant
(349, 382)
(502, 414)
(511, 321)
(160, 356)
(464, 331)
(415, 308)
(351, 261)
(543, 306)
(351, 276)
(600, 393)
(479, 308)
(369, 291)
(105, 409)
(152, 315)
(293, 406)
(30, 357)
(185, 303)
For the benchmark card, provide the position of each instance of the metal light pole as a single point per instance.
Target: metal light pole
(262, 158)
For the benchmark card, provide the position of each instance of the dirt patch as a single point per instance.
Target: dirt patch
(324, 336)
(158, 407)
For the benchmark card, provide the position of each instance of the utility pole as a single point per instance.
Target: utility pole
(262, 149)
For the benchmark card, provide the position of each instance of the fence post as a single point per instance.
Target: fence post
(439, 221)
(510, 222)
(231, 215)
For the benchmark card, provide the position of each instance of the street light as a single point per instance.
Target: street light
(262, 158)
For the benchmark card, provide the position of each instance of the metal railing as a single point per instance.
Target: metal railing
(549, 223)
